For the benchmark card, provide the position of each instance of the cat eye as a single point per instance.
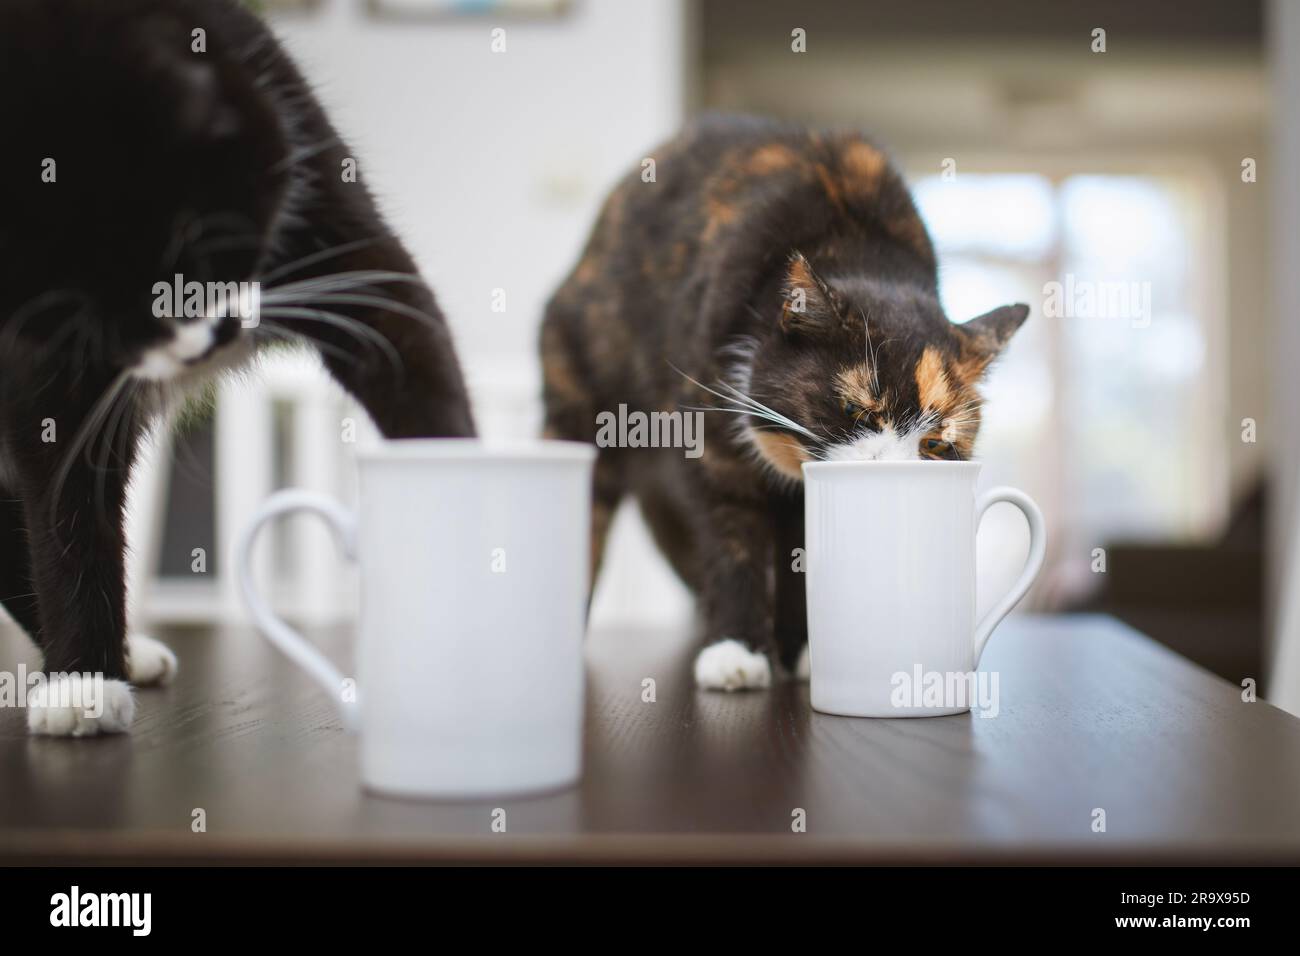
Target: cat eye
(853, 410)
(937, 446)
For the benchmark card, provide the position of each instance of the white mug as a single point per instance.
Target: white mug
(891, 585)
(469, 667)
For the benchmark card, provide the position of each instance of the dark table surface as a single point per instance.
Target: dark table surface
(1092, 715)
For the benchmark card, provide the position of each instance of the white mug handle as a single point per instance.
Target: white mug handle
(1033, 563)
(293, 644)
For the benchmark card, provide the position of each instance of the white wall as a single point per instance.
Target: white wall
(492, 166)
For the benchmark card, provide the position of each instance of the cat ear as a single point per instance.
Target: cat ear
(983, 338)
(810, 304)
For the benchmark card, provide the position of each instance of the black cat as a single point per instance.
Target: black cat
(146, 140)
(780, 275)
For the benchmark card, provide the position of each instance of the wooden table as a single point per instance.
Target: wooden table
(1093, 715)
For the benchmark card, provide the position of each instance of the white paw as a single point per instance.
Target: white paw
(803, 667)
(149, 661)
(730, 665)
(75, 705)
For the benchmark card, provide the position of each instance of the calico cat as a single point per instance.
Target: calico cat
(145, 140)
(783, 277)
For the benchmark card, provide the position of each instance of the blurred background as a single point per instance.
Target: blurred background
(1156, 441)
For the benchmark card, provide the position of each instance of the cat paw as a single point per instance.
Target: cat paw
(149, 661)
(71, 705)
(730, 665)
(803, 666)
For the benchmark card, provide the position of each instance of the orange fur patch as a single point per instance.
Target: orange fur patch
(783, 452)
(971, 364)
(677, 260)
(932, 381)
(831, 188)
(800, 274)
(864, 165)
(772, 158)
(561, 384)
(855, 385)
(720, 214)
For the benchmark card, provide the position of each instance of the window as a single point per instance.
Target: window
(1106, 406)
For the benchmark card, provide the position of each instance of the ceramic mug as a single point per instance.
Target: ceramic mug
(891, 584)
(473, 565)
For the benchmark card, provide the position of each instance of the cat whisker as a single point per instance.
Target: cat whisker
(304, 153)
(323, 255)
(124, 411)
(359, 331)
(188, 232)
(779, 423)
(34, 307)
(873, 364)
(335, 282)
(748, 406)
(918, 423)
(254, 48)
(767, 412)
(103, 440)
(736, 394)
(91, 425)
(283, 334)
(376, 301)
